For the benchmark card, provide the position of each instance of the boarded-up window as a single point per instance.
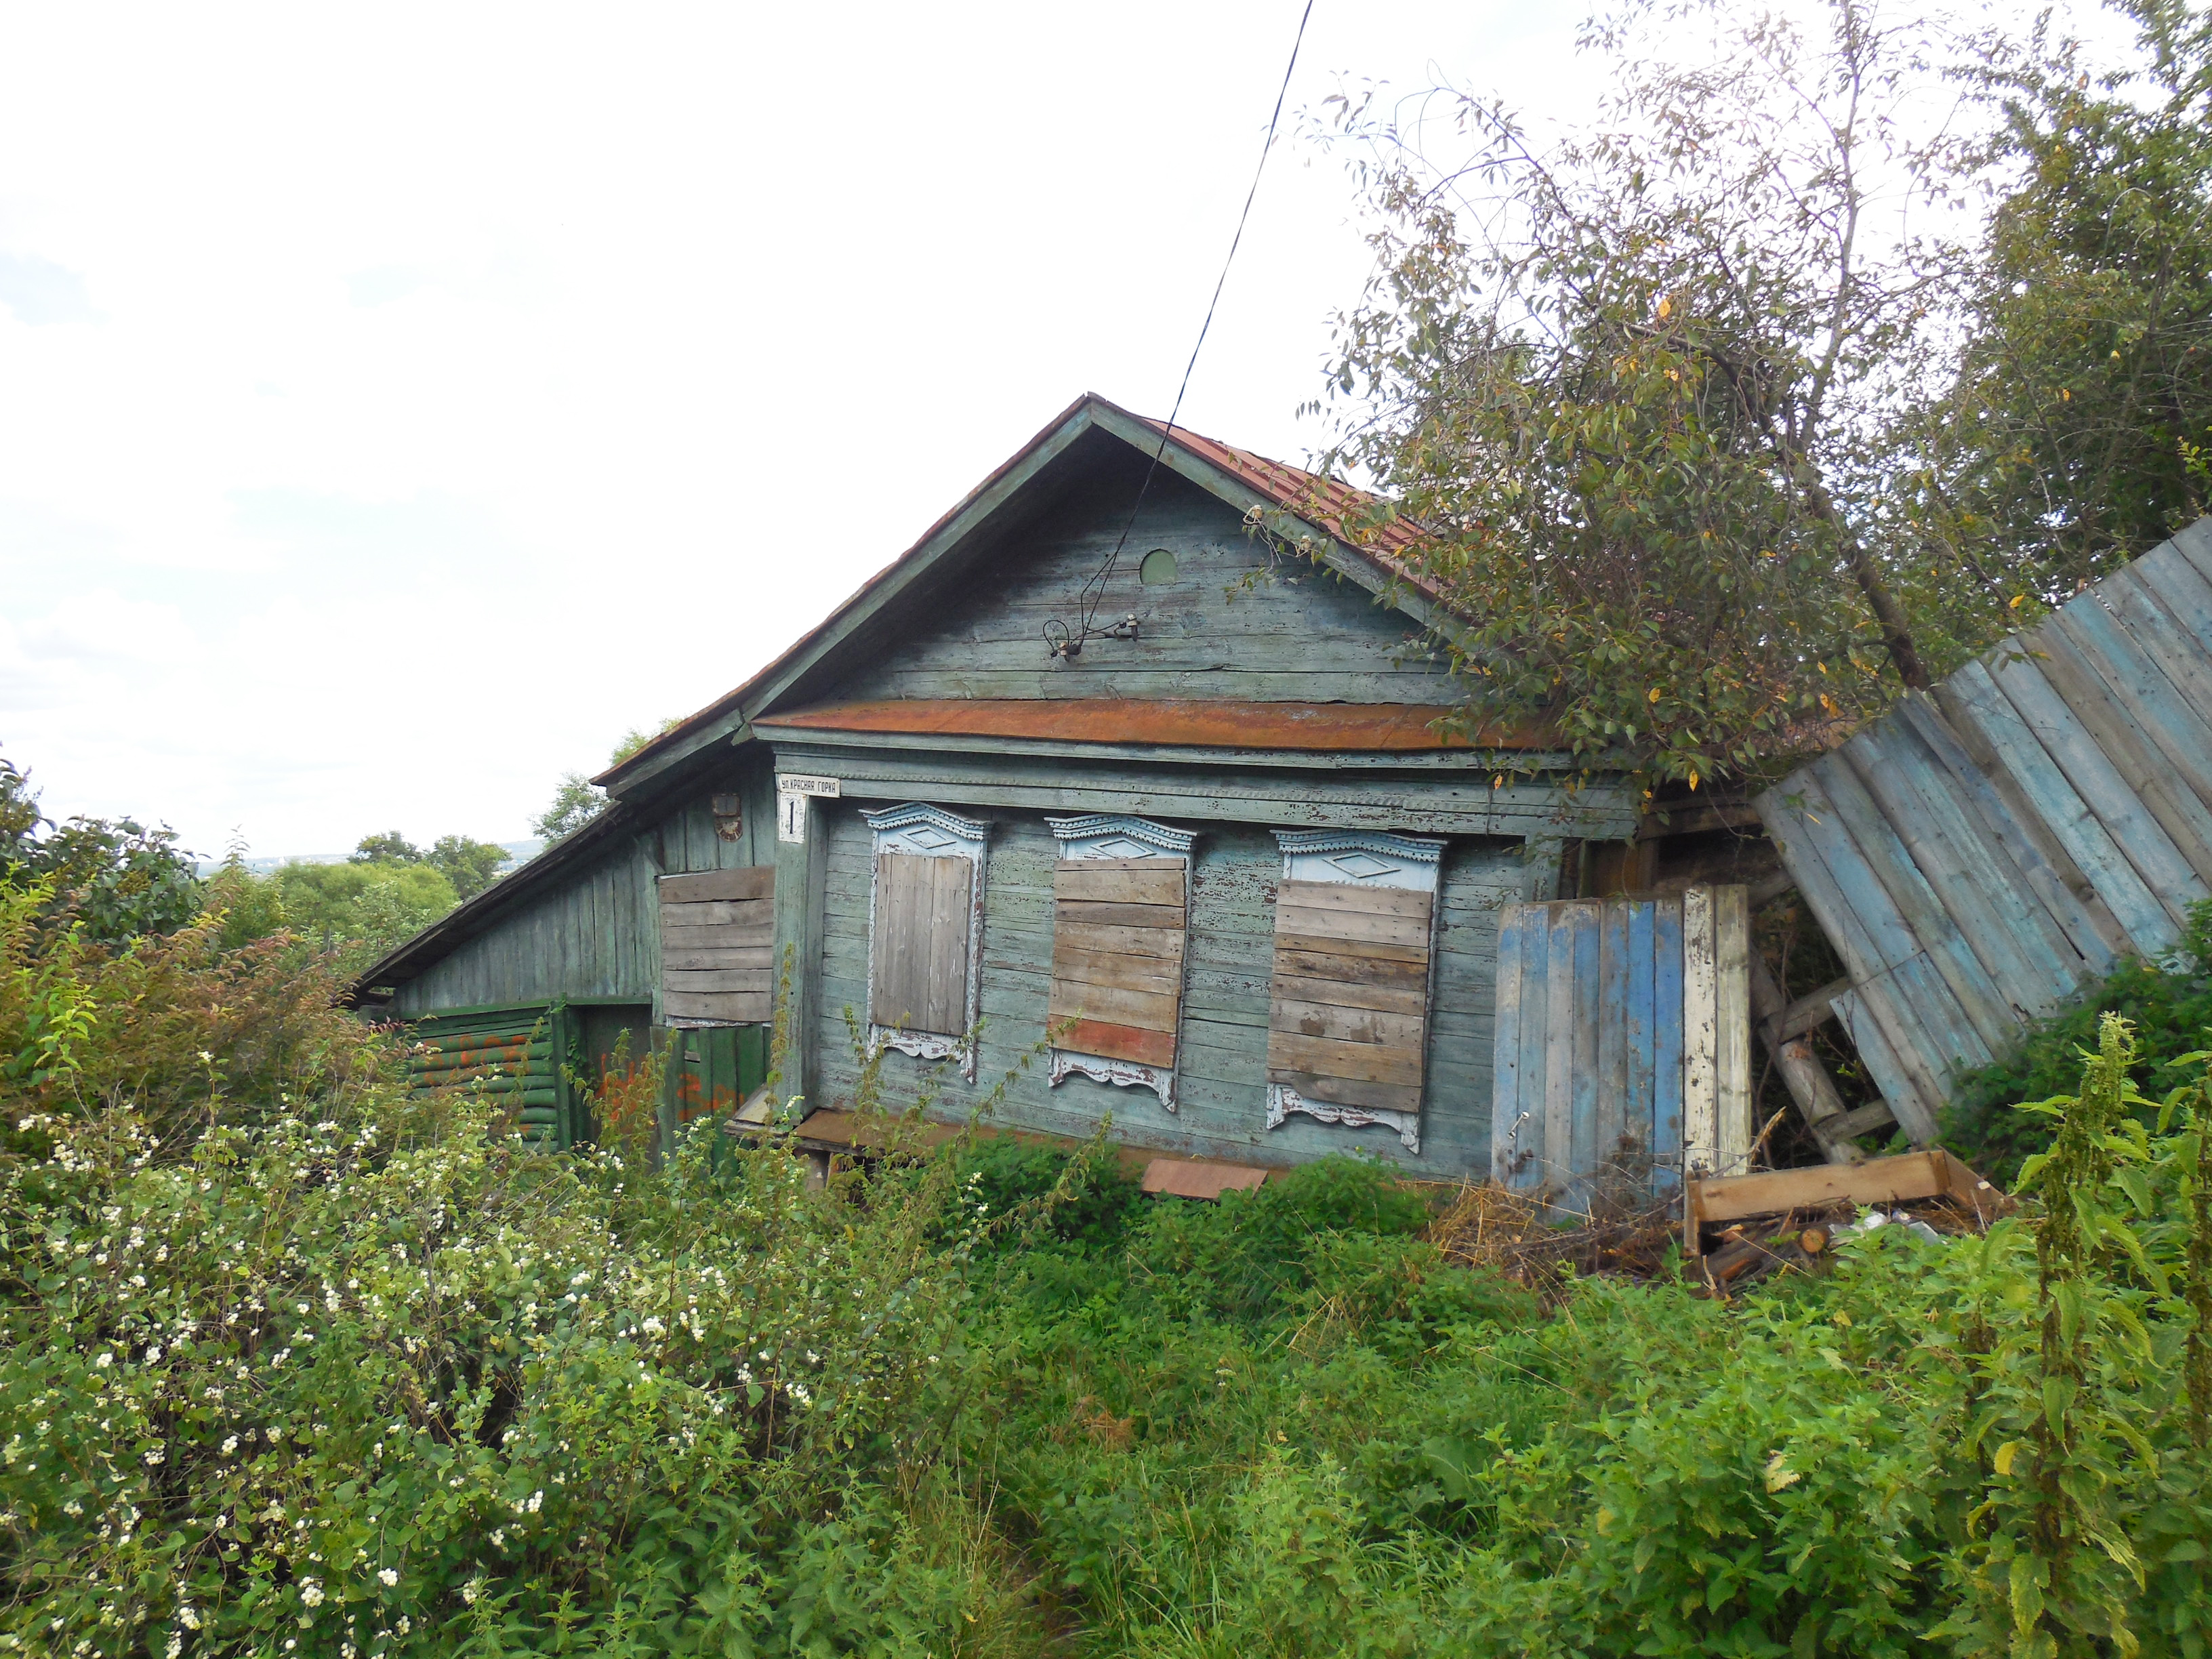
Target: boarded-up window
(1348, 1021)
(718, 946)
(1120, 918)
(924, 931)
(920, 958)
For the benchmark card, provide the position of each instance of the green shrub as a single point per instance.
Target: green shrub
(2171, 1014)
(1086, 1196)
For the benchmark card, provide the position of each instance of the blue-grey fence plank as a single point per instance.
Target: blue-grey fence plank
(1586, 1151)
(2065, 895)
(1506, 1145)
(2025, 955)
(2089, 685)
(1978, 998)
(2138, 672)
(1979, 855)
(1536, 1020)
(2062, 811)
(1666, 1046)
(2117, 803)
(1591, 992)
(1613, 1102)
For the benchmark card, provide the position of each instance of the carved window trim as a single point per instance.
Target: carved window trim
(1113, 835)
(916, 828)
(1364, 858)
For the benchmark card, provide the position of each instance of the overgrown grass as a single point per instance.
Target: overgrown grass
(297, 1363)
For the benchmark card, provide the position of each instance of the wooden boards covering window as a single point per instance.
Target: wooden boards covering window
(718, 946)
(1623, 1034)
(1348, 1022)
(919, 977)
(1119, 927)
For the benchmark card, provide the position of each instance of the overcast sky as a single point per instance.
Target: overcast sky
(396, 404)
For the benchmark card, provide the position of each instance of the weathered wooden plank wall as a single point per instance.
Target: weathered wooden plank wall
(1221, 1057)
(1232, 622)
(1978, 856)
(1623, 1039)
(597, 933)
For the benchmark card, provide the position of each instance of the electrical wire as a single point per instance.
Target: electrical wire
(1095, 590)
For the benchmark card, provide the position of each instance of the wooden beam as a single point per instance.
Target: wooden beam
(1804, 1014)
(1803, 1073)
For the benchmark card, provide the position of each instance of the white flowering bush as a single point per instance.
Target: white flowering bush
(365, 1374)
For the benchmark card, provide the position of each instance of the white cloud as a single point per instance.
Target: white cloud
(472, 384)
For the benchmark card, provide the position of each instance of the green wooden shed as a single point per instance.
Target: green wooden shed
(1184, 823)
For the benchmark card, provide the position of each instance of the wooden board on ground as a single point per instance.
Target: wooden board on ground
(1933, 1173)
(1199, 1177)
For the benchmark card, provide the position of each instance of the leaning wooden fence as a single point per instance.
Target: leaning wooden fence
(1977, 854)
(1623, 1039)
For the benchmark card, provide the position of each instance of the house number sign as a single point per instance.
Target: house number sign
(792, 790)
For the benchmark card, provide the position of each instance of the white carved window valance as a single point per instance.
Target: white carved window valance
(926, 932)
(1120, 925)
(1355, 944)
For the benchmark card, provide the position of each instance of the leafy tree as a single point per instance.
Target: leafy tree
(362, 910)
(1713, 450)
(576, 802)
(252, 905)
(114, 876)
(1625, 385)
(390, 848)
(2077, 431)
(471, 866)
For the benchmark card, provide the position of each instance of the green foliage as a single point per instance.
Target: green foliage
(2075, 434)
(2168, 1008)
(469, 865)
(118, 878)
(390, 848)
(1621, 386)
(288, 1353)
(362, 910)
(1709, 447)
(351, 1369)
(577, 801)
(1091, 1198)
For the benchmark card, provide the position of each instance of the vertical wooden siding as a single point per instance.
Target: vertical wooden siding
(597, 933)
(1978, 855)
(1221, 1057)
(1623, 1038)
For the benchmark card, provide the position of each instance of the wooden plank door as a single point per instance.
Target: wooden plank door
(1623, 1039)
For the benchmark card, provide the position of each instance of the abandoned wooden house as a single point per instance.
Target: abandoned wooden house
(1180, 826)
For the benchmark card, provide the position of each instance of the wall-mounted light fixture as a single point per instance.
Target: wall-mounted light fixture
(729, 812)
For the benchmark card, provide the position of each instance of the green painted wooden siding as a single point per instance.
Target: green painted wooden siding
(517, 1058)
(597, 933)
(1222, 1059)
(1296, 634)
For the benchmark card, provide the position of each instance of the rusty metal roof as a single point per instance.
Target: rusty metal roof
(1358, 518)
(1209, 722)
